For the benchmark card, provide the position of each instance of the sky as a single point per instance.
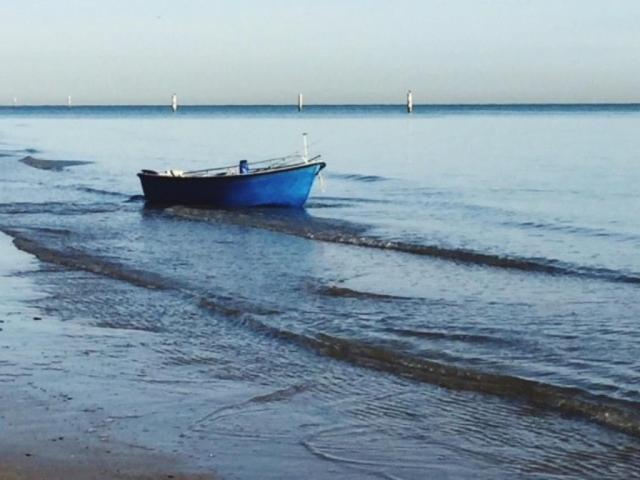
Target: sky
(334, 51)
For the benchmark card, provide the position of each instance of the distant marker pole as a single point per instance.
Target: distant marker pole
(300, 103)
(15, 101)
(69, 101)
(409, 102)
(174, 102)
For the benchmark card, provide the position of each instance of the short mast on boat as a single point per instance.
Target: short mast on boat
(305, 148)
(300, 103)
(409, 102)
(174, 102)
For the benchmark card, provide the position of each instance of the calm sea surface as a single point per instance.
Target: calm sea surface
(460, 297)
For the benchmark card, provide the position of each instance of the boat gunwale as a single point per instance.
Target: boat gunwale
(226, 176)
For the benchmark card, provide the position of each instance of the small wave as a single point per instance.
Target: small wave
(279, 395)
(102, 192)
(572, 230)
(450, 336)
(234, 308)
(301, 224)
(358, 177)
(75, 259)
(349, 200)
(342, 292)
(313, 204)
(194, 359)
(52, 165)
(622, 415)
(290, 221)
(16, 153)
(125, 324)
(57, 208)
(36, 243)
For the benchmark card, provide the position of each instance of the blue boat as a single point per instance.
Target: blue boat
(280, 183)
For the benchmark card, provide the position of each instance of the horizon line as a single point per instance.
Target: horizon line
(292, 105)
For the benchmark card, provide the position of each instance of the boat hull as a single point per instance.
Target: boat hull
(286, 187)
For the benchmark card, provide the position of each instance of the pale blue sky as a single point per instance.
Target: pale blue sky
(350, 51)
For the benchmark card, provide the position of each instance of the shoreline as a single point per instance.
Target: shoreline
(43, 435)
(85, 402)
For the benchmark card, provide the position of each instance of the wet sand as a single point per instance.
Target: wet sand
(36, 445)
(43, 434)
(88, 468)
(77, 401)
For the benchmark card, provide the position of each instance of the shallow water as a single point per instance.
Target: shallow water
(462, 297)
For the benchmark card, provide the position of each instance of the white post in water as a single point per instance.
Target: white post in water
(305, 148)
(409, 102)
(174, 102)
(300, 103)
(69, 101)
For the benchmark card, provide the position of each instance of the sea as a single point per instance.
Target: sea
(459, 298)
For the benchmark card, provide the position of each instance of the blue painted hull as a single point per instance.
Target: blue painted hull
(286, 187)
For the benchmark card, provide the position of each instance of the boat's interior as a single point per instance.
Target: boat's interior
(242, 168)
